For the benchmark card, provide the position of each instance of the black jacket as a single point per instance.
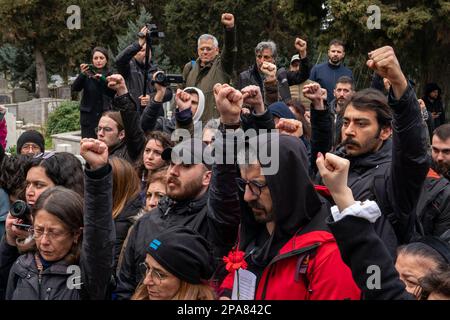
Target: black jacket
(95, 260)
(394, 174)
(133, 73)
(433, 207)
(214, 215)
(133, 144)
(123, 222)
(361, 249)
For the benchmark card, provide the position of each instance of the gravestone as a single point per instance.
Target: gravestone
(20, 95)
(5, 99)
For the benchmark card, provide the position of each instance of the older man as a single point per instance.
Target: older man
(211, 67)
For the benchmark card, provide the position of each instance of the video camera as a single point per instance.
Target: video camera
(152, 32)
(21, 210)
(166, 79)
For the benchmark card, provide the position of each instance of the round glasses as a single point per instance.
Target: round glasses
(157, 276)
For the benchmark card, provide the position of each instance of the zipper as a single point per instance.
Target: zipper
(282, 257)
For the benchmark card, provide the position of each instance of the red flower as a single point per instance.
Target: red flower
(235, 261)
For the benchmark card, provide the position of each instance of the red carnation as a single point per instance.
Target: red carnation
(235, 261)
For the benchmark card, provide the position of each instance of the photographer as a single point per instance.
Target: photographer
(96, 95)
(131, 65)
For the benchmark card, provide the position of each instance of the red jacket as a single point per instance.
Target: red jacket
(308, 267)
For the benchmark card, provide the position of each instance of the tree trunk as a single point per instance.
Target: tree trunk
(41, 74)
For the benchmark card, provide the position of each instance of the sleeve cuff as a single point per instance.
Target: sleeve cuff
(368, 210)
(99, 173)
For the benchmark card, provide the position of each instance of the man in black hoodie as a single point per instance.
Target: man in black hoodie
(380, 166)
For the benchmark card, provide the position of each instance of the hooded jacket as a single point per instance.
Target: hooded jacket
(300, 259)
(434, 105)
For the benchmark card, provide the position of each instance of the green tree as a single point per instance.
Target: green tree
(65, 118)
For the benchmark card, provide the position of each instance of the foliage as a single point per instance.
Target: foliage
(65, 118)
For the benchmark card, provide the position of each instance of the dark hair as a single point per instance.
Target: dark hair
(115, 115)
(165, 141)
(442, 132)
(372, 99)
(425, 251)
(63, 168)
(337, 42)
(101, 50)
(436, 282)
(67, 206)
(300, 108)
(13, 172)
(344, 80)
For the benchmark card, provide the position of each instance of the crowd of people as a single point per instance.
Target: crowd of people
(361, 183)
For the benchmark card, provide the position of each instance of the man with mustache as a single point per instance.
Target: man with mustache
(433, 207)
(388, 169)
(282, 239)
(327, 73)
(343, 92)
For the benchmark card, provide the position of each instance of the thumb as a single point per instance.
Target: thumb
(370, 64)
(320, 162)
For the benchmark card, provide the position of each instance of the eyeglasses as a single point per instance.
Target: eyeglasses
(51, 234)
(157, 277)
(255, 187)
(33, 146)
(105, 129)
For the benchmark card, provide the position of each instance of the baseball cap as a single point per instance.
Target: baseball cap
(295, 57)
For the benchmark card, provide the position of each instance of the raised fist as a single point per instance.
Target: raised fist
(301, 46)
(183, 100)
(95, 152)
(253, 98)
(316, 94)
(228, 20)
(117, 83)
(228, 102)
(290, 127)
(270, 71)
(384, 62)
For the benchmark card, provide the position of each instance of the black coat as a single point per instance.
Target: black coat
(361, 248)
(96, 100)
(203, 215)
(395, 173)
(19, 274)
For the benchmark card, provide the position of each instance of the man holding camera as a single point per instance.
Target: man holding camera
(211, 67)
(131, 65)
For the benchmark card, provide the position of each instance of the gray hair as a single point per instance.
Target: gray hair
(267, 45)
(206, 37)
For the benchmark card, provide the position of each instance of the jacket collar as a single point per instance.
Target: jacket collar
(188, 207)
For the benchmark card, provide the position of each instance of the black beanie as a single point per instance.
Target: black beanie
(31, 136)
(437, 244)
(184, 253)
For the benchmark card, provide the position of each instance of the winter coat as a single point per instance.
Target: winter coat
(215, 215)
(361, 249)
(26, 283)
(219, 70)
(123, 222)
(433, 207)
(131, 147)
(300, 259)
(96, 100)
(327, 74)
(394, 174)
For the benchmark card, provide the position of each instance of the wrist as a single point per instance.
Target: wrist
(159, 96)
(121, 91)
(230, 121)
(10, 240)
(343, 198)
(318, 104)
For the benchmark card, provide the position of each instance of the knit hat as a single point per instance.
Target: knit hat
(437, 244)
(281, 110)
(184, 253)
(31, 136)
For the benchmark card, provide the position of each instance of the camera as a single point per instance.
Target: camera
(92, 71)
(21, 210)
(166, 79)
(152, 32)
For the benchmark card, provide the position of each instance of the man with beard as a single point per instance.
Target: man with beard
(326, 74)
(342, 94)
(283, 240)
(381, 166)
(190, 201)
(433, 207)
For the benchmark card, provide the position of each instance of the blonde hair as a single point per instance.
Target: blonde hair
(126, 184)
(187, 291)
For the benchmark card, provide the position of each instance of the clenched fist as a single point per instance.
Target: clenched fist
(301, 46)
(316, 94)
(183, 100)
(228, 20)
(95, 152)
(269, 70)
(384, 62)
(229, 103)
(117, 83)
(290, 127)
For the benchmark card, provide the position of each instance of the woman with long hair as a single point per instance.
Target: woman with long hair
(96, 94)
(74, 241)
